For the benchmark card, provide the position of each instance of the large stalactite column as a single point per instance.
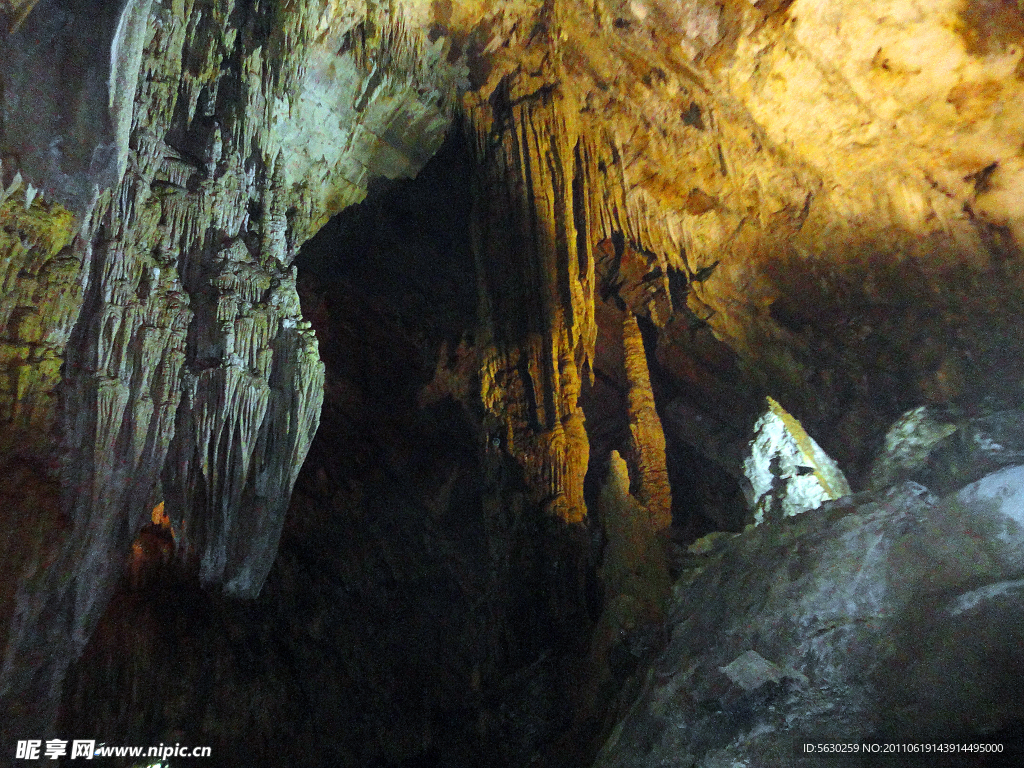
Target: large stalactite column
(535, 270)
(536, 290)
(647, 438)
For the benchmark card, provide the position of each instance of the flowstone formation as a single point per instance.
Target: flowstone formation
(147, 248)
(677, 209)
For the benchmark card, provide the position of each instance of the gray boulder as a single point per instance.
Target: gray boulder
(944, 449)
(895, 615)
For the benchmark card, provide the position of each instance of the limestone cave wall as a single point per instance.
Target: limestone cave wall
(157, 353)
(667, 211)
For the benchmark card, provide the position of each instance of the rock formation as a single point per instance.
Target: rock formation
(634, 574)
(648, 439)
(203, 155)
(891, 618)
(674, 210)
(786, 471)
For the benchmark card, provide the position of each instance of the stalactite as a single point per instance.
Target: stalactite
(536, 294)
(191, 374)
(274, 242)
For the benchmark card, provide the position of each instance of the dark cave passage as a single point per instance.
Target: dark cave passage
(421, 610)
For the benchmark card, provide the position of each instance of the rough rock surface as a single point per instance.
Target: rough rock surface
(210, 139)
(635, 577)
(647, 443)
(893, 617)
(947, 447)
(786, 471)
(821, 201)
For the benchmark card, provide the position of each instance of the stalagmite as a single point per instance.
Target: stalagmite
(647, 443)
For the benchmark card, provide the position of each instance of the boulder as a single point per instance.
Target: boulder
(896, 616)
(786, 471)
(945, 449)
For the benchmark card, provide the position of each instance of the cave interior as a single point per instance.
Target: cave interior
(543, 383)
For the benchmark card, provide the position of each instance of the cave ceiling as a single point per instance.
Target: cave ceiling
(677, 208)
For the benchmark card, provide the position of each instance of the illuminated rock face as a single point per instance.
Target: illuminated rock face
(807, 202)
(786, 471)
(816, 201)
(647, 438)
(151, 217)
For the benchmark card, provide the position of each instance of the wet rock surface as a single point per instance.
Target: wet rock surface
(786, 471)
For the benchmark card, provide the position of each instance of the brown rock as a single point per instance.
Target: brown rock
(647, 444)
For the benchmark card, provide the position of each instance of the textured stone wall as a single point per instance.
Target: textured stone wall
(536, 293)
(817, 201)
(814, 202)
(228, 133)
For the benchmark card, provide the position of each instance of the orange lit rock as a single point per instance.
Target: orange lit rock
(152, 551)
(647, 446)
(159, 516)
(537, 288)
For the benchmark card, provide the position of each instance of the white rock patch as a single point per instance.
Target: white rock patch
(787, 471)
